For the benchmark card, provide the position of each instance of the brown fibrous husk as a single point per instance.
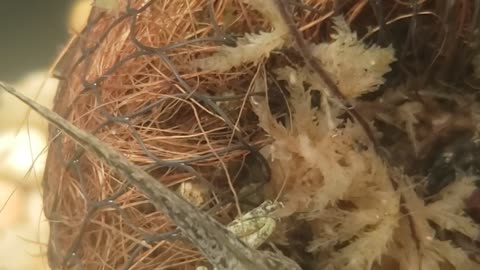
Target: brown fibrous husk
(129, 80)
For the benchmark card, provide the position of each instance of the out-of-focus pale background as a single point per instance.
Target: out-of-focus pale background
(32, 33)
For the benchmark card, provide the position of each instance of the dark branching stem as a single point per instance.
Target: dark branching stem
(332, 87)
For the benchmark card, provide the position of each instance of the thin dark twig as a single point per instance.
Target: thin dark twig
(377, 6)
(227, 40)
(320, 71)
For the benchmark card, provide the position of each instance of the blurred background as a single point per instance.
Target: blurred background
(32, 34)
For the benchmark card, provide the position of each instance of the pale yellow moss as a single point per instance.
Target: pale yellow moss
(356, 67)
(447, 211)
(251, 48)
(434, 253)
(316, 166)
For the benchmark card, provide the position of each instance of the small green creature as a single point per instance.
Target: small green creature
(256, 226)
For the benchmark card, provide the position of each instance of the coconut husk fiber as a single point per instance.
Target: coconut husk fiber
(230, 105)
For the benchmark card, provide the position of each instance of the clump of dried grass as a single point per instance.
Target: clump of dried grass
(142, 90)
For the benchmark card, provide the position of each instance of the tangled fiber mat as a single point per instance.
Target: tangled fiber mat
(341, 134)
